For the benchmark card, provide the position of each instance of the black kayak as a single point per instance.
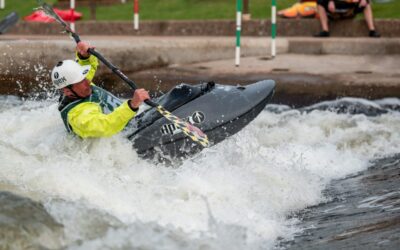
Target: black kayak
(218, 110)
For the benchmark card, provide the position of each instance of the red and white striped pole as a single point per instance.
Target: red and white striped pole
(72, 9)
(136, 14)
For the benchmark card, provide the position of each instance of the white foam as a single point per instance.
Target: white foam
(279, 164)
(389, 101)
(351, 100)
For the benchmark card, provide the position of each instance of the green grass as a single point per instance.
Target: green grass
(387, 10)
(185, 9)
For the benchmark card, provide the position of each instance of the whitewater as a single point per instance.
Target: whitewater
(239, 194)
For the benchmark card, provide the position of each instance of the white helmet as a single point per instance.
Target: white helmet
(68, 72)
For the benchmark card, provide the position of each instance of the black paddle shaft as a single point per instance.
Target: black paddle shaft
(118, 72)
(111, 66)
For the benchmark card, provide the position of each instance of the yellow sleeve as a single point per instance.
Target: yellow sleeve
(87, 120)
(92, 61)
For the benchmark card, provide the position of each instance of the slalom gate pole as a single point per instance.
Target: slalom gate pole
(238, 31)
(273, 28)
(72, 9)
(136, 14)
(2, 4)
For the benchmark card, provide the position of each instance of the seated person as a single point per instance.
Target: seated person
(336, 9)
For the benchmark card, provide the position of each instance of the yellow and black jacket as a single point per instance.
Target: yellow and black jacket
(99, 115)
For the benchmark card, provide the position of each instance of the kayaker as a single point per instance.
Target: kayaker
(87, 110)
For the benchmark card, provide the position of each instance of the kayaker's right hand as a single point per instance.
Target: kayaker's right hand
(331, 6)
(139, 96)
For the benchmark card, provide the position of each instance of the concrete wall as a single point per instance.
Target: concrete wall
(301, 27)
(30, 61)
(25, 64)
(341, 46)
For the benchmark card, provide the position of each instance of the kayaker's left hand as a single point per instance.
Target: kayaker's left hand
(82, 48)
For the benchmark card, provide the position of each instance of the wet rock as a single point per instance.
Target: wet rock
(82, 223)
(25, 224)
(365, 213)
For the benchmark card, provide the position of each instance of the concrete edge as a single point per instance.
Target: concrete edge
(262, 27)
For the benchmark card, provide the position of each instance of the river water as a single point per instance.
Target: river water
(239, 194)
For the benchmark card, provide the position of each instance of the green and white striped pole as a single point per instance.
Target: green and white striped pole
(273, 29)
(238, 30)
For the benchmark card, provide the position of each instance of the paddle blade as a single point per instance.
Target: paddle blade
(188, 129)
(49, 11)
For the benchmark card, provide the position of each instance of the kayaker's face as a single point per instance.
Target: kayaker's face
(82, 88)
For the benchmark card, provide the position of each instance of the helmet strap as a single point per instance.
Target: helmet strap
(75, 94)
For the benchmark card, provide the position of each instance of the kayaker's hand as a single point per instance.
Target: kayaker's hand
(139, 96)
(82, 49)
(331, 6)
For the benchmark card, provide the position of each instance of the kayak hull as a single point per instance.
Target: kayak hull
(218, 110)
